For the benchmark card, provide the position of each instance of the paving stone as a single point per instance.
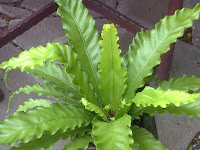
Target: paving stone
(186, 60)
(14, 11)
(14, 22)
(125, 39)
(196, 25)
(9, 1)
(2, 23)
(46, 31)
(95, 14)
(146, 13)
(110, 3)
(100, 23)
(176, 132)
(35, 5)
(16, 80)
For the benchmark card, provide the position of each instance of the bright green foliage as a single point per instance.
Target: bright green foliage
(114, 135)
(191, 109)
(158, 97)
(31, 103)
(6, 77)
(48, 141)
(102, 92)
(51, 72)
(31, 58)
(146, 48)
(81, 142)
(112, 74)
(35, 122)
(183, 84)
(92, 107)
(135, 146)
(48, 90)
(82, 36)
(146, 139)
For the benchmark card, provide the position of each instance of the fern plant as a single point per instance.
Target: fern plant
(98, 86)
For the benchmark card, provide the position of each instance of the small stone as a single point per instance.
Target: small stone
(36, 4)
(14, 22)
(2, 23)
(9, 1)
(14, 11)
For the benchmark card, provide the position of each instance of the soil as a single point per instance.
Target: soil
(1, 95)
(195, 143)
(187, 37)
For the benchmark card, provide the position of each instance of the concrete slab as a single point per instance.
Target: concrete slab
(35, 5)
(125, 39)
(3, 23)
(45, 31)
(100, 23)
(110, 3)
(146, 13)
(176, 132)
(14, 11)
(186, 60)
(94, 14)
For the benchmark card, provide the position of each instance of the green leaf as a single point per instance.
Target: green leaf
(47, 90)
(135, 146)
(6, 77)
(183, 84)
(81, 142)
(79, 77)
(51, 72)
(94, 108)
(83, 37)
(33, 57)
(145, 51)
(48, 141)
(113, 135)
(158, 97)
(146, 139)
(57, 117)
(191, 109)
(112, 74)
(66, 56)
(31, 103)
(123, 109)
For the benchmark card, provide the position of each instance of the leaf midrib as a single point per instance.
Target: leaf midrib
(146, 63)
(51, 75)
(84, 43)
(112, 73)
(32, 126)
